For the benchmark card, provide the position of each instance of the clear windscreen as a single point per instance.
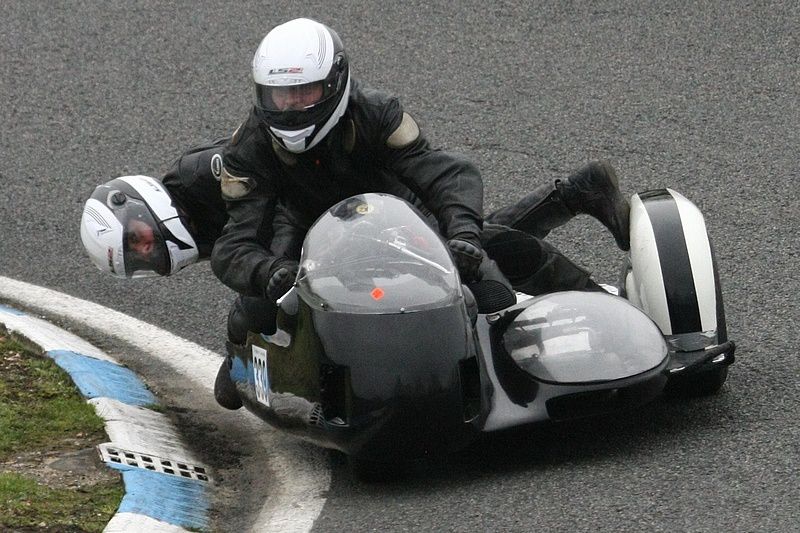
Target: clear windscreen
(373, 253)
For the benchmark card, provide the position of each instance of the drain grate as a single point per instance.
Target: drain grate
(113, 454)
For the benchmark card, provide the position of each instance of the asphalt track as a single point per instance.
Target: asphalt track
(699, 96)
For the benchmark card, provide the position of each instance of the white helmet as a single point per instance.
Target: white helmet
(131, 229)
(302, 81)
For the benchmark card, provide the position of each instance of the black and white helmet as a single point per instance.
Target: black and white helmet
(302, 80)
(131, 228)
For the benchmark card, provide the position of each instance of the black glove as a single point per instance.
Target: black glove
(467, 254)
(281, 278)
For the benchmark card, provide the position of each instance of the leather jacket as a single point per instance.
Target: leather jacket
(194, 188)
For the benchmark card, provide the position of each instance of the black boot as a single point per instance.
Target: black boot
(594, 190)
(224, 389)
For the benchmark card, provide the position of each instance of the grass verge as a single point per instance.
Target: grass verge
(43, 418)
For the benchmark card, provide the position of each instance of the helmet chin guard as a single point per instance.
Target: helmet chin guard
(294, 141)
(302, 81)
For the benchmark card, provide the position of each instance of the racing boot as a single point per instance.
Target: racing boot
(594, 190)
(224, 389)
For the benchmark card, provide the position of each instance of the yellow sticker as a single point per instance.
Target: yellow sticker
(406, 133)
(363, 209)
(234, 187)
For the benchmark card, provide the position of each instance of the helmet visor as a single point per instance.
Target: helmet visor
(143, 245)
(290, 97)
(297, 106)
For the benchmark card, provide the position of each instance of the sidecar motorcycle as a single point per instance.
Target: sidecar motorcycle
(379, 352)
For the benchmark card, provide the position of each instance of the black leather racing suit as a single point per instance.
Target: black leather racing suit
(195, 189)
(355, 157)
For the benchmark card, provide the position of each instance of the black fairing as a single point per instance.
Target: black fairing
(378, 386)
(375, 352)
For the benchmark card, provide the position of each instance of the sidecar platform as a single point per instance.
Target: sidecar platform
(568, 355)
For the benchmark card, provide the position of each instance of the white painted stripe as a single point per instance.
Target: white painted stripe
(124, 424)
(300, 473)
(647, 278)
(50, 337)
(128, 522)
(142, 430)
(702, 264)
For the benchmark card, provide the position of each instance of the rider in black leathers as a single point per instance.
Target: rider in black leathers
(194, 188)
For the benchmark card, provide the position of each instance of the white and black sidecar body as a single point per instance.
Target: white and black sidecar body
(378, 355)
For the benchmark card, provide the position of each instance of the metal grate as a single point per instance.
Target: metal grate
(316, 418)
(115, 455)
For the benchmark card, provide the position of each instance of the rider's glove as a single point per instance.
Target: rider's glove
(281, 278)
(467, 254)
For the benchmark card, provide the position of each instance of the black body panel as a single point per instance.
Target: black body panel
(375, 386)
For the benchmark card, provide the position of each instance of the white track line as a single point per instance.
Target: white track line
(297, 496)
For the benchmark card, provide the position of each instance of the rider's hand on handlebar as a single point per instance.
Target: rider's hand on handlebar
(281, 278)
(467, 254)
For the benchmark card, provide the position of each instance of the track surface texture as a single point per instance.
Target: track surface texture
(703, 97)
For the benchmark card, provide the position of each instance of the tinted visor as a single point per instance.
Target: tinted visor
(143, 245)
(292, 107)
(290, 97)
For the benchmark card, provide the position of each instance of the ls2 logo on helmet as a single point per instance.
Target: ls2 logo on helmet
(286, 70)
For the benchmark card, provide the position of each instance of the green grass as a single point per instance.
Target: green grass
(39, 404)
(25, 503)
(41, 410)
